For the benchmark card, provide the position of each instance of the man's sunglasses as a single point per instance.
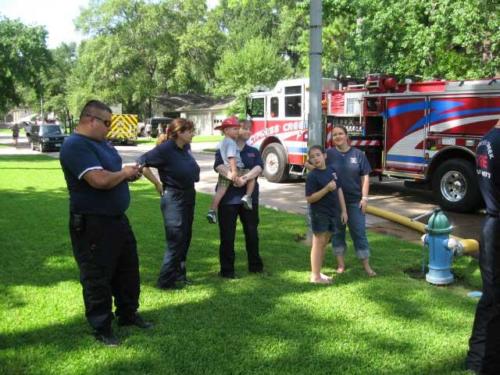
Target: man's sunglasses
(107, 123)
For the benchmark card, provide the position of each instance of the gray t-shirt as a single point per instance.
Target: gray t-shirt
(229, 149)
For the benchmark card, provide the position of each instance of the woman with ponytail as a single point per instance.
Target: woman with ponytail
(178, 171)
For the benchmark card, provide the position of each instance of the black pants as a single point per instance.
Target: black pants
(106, 253)
(484, 344)
(227, 216)
(177, 207)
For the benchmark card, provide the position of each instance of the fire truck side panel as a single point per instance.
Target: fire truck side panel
(288, 132)
(406, 121)
(470, 116)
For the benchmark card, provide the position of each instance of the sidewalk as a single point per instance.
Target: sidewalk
(23, 148)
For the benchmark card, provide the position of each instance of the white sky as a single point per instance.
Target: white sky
(56, 15)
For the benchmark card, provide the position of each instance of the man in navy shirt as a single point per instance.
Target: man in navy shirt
(103, 243)
(484, 345)
(231, 207)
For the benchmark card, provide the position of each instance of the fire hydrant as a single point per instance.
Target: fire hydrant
(442, 248)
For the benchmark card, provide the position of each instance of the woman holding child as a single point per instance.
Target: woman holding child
(178, 172)
(232, 205)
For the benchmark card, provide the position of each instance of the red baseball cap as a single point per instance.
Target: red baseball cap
(229, 123)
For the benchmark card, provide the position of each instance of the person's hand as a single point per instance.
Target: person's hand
(343, 217)
(331, 186)
(132, 172)
(363, 203)
(230, 176)
(159, 188)
(240, 181)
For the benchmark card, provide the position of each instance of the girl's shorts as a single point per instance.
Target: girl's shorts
(322, 223)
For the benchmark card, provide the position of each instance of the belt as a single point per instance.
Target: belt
(496, 216)
(165, 188)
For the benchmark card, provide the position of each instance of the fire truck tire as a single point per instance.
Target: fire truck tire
(455, 186)
(275, 163)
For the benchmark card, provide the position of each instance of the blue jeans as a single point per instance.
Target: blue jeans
(177, 207)
(357, 228)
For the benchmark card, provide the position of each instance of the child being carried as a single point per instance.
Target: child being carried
(230, 154)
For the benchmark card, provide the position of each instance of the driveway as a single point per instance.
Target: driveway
(388, 194)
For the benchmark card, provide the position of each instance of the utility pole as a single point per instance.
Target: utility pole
(41, 107)
(315, 133)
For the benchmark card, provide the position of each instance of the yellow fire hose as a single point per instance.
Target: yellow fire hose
(470, 246)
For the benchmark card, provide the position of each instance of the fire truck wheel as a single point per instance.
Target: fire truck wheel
(275, 163)
(455, 186)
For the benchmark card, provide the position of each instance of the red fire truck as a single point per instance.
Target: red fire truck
(426, 132)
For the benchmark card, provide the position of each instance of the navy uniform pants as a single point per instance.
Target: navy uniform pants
(105, 250)
(227, 216)
(177, 207)
(484, 343)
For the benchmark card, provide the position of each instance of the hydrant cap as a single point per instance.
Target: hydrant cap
(438, 223)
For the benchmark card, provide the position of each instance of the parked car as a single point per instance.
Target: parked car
(153, 123)
(45, 137)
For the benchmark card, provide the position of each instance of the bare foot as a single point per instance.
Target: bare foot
(371, 273)
(340, 269)
(323, 279)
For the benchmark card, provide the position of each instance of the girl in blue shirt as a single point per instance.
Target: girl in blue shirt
(353, 168)
(324, 194)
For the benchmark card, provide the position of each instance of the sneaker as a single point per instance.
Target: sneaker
(134, 320)
(212, 217)
(107, 338)
(247, 202)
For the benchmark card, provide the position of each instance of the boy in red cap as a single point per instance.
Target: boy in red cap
(230, 153)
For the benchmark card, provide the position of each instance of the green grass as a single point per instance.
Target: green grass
(196, 139)
(274, 324)
(6, 132)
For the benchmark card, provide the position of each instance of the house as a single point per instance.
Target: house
(206, 112)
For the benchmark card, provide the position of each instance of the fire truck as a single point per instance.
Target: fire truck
(425, 132)
(123, 129)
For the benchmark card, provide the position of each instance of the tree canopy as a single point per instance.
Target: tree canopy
(137, 50)
(23, 57)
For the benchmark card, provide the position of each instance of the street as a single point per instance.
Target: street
(388, 194)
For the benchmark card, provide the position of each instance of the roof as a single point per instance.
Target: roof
(189, 102)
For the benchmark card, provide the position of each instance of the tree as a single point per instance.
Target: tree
(23, 55)
(140, 50)
(131, 55)
(453, 39)
(257, 63)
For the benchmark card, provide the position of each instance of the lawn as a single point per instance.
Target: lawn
(272, 324)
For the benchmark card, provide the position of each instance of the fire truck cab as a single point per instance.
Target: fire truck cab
(279, 126)
(425, 132)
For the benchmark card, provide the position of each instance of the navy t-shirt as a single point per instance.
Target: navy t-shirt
(316, 180)
(350, 166)
(250, 157)
(176, 166)
(80, 154)
(488, 170)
